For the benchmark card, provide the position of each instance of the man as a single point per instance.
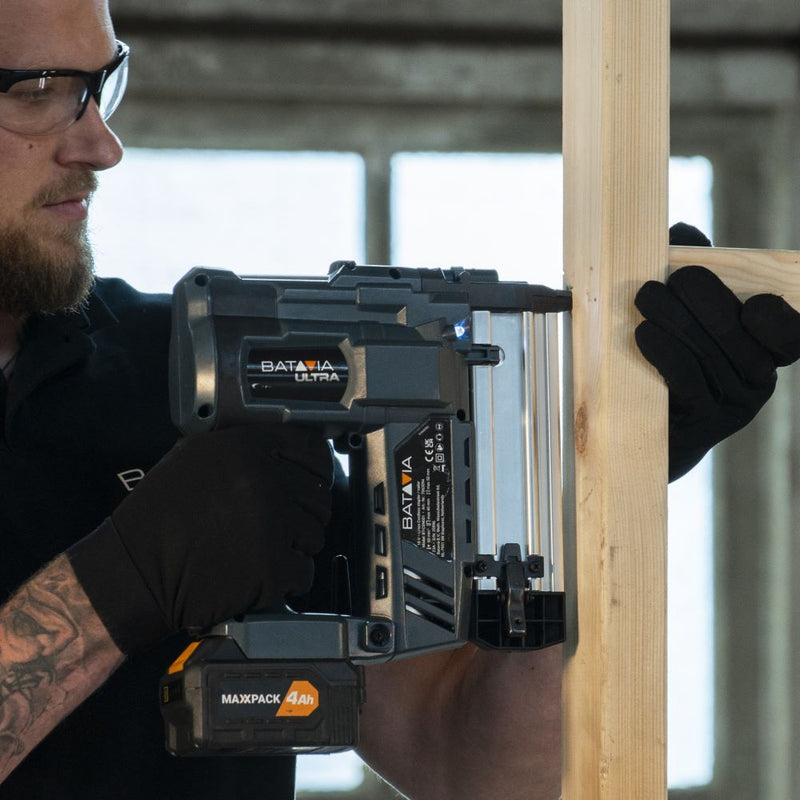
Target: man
(85, 416)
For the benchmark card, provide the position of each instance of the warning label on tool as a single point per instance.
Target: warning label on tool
(423, 465)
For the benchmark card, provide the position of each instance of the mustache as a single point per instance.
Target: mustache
(70, 185)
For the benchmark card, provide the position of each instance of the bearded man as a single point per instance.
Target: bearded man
(121, 567)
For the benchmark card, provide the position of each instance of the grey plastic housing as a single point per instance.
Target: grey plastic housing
(441, 386)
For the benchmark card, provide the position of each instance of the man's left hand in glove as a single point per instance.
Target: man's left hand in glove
(717, 355)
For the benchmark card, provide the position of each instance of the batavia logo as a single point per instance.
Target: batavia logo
(407, 495)
(303, 371)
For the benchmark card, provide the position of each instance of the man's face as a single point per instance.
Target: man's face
(46, 181)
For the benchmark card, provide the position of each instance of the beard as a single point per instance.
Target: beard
(39, 276)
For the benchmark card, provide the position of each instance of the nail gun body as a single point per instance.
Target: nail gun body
(441, 389)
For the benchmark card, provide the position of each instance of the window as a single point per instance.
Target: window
(161, 212)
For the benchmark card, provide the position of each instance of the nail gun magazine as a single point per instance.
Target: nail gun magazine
(439, 389)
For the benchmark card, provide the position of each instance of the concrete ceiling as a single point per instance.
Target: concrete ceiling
(729, 19)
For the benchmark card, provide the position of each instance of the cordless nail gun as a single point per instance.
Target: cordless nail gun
(440, 386)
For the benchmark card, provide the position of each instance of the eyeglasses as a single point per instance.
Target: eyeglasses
(35, 102)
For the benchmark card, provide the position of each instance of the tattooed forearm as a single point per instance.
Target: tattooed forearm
(54, 652)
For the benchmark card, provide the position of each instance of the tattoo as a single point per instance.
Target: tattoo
(54, 652)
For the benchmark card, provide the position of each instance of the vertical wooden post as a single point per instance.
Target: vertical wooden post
(616, 155)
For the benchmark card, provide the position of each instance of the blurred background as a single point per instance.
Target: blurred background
(275, 136)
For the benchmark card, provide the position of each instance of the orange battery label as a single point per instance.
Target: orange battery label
(301, 700)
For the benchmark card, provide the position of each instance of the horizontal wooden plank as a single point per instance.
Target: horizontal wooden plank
(747, 271)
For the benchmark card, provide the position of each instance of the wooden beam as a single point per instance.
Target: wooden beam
(616, 155)
(745, 271)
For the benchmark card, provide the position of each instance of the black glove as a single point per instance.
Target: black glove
(688, 236)
(717, 355)
(225, 523)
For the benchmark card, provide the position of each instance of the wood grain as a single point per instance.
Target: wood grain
(745, 271)
(616, 152)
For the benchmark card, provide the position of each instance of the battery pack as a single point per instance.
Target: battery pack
(214, 701)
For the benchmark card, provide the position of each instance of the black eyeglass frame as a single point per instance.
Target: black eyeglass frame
(95, 81)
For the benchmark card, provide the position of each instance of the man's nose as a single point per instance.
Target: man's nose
(90, 142)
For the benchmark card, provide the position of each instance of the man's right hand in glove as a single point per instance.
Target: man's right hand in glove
(226, 523)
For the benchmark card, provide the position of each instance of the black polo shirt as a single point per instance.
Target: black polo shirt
(86, 415)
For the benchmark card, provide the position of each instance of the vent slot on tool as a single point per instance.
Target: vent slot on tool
(429, 599)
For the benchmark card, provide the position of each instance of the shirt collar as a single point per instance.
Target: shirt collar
(54, 342)
(93, 315)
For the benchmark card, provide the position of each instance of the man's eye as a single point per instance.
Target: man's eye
(33, 91)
